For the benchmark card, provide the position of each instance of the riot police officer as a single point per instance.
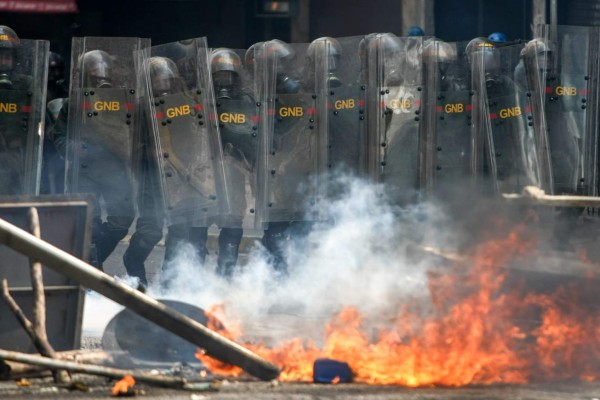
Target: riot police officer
(165, 79)
(10, 173)
(239, 147)
(106, 170)
(510, 157)
(292, 148)
(57, 84)
(53, 165)
(9, 55)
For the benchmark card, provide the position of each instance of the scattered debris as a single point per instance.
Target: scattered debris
(160, 380)
(326, 370)
(535, 195)
(216, 345)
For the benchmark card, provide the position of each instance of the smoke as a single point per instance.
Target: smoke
(363, 256)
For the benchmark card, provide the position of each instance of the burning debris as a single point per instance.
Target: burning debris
(487, 324)
(124, 387)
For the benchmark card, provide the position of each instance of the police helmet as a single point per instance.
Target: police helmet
(164, 75)
(251, 54)
(223, 59)
(479, 45)
(415, 31)
(324, 45)
(55, 60)
(9, 39)
(225, 67)
(98, 69)
(498, 37)
(9, 43)
(280, 50)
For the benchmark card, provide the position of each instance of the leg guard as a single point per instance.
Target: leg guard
(229, 244)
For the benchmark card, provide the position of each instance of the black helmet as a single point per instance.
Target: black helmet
(9, 46)
(479, 45)
(9, 39)
(280, 50)
(56, 67)
(223, 59)
(97, 68)
(481, 54)
(225, 68)
(55, 60)
(326, 45)
(164, 76)
(251, 54)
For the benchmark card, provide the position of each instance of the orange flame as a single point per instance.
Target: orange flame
(123, 386)
(486, 328)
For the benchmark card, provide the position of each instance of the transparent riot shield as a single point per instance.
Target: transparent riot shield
(291, 133)
(395, 87)
(528, 75)
(566, 74)
(447, 112)
(340, 81)
(240, 128)
(104, 116)
(187, 148)
(510, 151)
(22, 110)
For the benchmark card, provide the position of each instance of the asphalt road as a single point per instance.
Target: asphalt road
(100, 389)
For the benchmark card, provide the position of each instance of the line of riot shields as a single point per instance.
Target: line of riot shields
(257, 138)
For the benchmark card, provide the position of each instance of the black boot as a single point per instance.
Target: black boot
(111, 233)
(274, 240)
(229, 244)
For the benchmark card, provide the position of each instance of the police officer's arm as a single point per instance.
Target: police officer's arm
(58, 131)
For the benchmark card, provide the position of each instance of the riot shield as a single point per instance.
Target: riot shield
(340, 83)
(239, 127)
(510, 150)
(447, 113)
(292, 175)
(395, 88)
(103, 121)
(566, 74)
(22, 111)
(185, 140)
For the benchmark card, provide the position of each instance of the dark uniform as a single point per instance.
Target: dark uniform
(19, 139)
(187, 147)
(53, 167)
(447, 119)
(293, 154)
(238, 126)
(99, 148)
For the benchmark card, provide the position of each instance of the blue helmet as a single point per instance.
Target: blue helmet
(415, 31)
(497, 37)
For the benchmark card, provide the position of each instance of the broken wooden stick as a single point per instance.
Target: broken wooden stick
(161, 380)
(15, 370)
(37, 329)
(533, 195)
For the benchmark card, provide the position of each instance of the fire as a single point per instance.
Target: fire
(486, 327)
(124, 386)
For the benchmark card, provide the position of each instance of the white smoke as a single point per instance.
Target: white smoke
(361, 257)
